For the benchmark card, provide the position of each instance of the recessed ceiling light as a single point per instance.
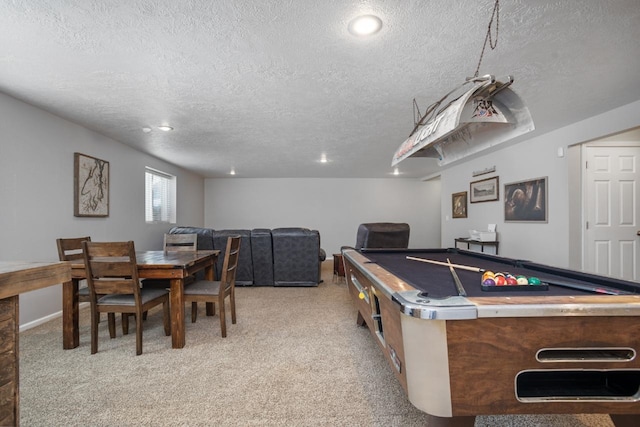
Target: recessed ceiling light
(365, 25)
(396, 171)
(323, 158)
(233, 172)
(146, 129)
(165, 128)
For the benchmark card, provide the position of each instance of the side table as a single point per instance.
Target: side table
(482, 244)
(338, 267)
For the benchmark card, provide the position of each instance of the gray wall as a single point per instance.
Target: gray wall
(36, 196)
(36, 193)
(551, 242)
(334, 207)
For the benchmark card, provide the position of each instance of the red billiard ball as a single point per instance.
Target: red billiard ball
(500, 280)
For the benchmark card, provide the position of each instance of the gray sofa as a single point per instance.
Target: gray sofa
(277, 257)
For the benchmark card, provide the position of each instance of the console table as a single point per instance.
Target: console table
(17, 277)
(482, 244)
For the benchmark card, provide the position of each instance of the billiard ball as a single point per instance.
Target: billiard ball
(488, 275)
(489, 282)
(534, 281)
(512, 280)
(500, 280)
(522, 280)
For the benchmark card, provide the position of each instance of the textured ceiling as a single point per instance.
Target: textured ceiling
(267, 87)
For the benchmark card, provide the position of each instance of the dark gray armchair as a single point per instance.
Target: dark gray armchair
(383, 235)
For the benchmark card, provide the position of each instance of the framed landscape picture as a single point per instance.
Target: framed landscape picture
(485, 190)
(459, 205)
(526, 201)
(90, 186)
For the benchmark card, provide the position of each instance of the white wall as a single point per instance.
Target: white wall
(334, 207)
(548, 243)
(36, 193)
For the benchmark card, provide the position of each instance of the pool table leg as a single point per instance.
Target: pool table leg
(360, 320)
(625, 420)
(434, 421)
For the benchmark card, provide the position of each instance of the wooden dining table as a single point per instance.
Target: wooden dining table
(172, 266)
(17, 277)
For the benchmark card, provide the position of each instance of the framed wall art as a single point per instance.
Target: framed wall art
(485, 190)
(90, 186)
(526, 201)
(459, 205)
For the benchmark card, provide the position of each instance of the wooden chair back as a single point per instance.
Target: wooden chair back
(180, 242)
(111, 268)
(230, 265)
(71, 249)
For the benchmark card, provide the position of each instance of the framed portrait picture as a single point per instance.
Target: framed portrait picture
(526, 201)
(90, 186)
(459, 205)
(485, 190)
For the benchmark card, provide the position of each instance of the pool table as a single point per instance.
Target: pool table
(460, 350)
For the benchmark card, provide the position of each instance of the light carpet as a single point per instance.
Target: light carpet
(295, 358)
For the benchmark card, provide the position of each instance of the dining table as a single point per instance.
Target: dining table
(172, 266)
(18, 277)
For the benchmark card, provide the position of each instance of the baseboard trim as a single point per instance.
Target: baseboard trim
(45, 319)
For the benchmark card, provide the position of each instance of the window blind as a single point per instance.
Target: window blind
(160, 196)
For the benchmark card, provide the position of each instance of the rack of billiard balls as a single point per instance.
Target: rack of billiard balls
(500, 282)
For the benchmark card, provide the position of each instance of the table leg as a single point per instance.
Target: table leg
(70, 315)
(177, 313)
(625, 420)
(451, 422)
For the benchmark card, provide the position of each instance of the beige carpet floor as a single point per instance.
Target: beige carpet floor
(295, 358)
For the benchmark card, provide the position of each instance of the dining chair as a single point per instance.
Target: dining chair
(71, 250)
(217, 291)
(114, 286)
(180, 242)
(174, 243)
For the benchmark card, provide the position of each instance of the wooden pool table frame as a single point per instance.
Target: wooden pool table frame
(458, 365)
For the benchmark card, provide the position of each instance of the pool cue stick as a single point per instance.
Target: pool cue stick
(461, 291)
(460, 266)
(588, 288)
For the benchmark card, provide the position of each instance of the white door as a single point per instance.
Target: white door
(612, 210)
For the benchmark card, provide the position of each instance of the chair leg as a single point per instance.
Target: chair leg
(167, 318)
(125, 323)
(94, 332)
(194, 311)
(111, 317)
(139, 334)
(211, 309)
(232, 302)
(223, 320)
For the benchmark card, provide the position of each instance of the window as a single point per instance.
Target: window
(160, 196)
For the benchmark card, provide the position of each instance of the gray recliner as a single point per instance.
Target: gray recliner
(296, 257)
(383, 235)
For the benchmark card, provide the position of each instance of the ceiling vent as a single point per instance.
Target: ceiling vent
(471, 120)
